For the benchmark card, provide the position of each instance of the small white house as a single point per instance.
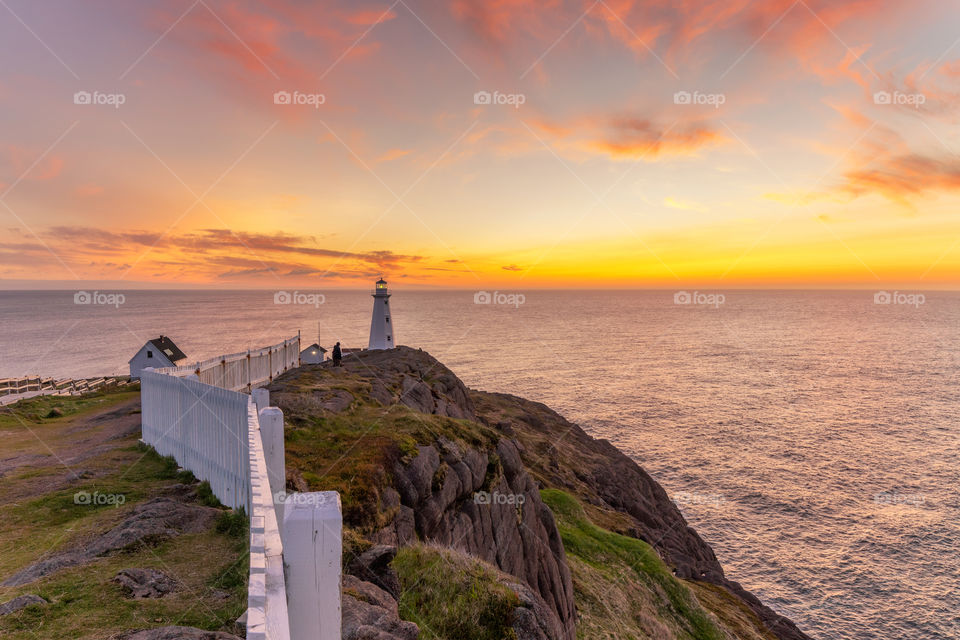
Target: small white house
(314, 354)
(156, 353)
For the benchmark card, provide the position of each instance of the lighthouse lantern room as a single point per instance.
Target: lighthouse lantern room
(381, 325)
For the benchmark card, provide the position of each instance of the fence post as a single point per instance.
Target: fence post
(271, 433)
(312, 546)
(261, 398)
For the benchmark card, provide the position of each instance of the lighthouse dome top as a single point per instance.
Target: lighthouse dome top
(380, 289)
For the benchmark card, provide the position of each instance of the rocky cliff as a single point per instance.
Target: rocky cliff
(451, 495)
(561, 454)
(419, 458)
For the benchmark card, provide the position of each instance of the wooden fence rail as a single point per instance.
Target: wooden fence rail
(244, 370)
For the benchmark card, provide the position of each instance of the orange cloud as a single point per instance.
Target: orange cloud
(393, 154)
(636, 138)
(624, 138)
(899, 177)
(262, 43)
(882, 163)
(688, 31)
(937, 88)
(199, 255)
(496, 20)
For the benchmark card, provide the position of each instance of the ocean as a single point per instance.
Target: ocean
(811, 437)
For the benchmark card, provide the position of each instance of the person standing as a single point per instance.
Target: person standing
(337, 355)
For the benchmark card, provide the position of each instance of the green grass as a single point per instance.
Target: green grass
(205, 495)
(353, 451)
(52, 409)
(40, 516)
(86, 603)
(233, 523)
(30, 527)
(453, 596)
(652, 601)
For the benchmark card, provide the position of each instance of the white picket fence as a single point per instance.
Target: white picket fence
(216, 433)
(245, 370)
(205, 428)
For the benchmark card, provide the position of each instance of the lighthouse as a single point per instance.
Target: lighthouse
(381, 326)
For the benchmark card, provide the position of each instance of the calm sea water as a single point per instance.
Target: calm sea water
(810, 437)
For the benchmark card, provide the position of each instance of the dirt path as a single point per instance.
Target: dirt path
(50, 455)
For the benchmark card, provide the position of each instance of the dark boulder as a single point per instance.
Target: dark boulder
(145, 583)
(373, 565)
(370, 613)
(20, 602)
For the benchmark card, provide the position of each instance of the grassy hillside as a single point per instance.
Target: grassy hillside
(623, 589)
(58, 447)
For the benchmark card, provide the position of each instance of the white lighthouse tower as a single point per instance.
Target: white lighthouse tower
(381, 325)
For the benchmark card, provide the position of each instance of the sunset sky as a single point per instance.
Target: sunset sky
(819, 145)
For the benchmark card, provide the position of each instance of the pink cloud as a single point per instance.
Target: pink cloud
(21, 163)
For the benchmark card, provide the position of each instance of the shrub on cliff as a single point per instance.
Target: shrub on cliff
(452, 596)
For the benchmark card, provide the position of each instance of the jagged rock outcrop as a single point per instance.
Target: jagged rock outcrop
(373, 565)
(145, 583)
(534, 619)
(413, 378)
(149, 524)
(485, 504)
(402, 529)
(370, 613)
